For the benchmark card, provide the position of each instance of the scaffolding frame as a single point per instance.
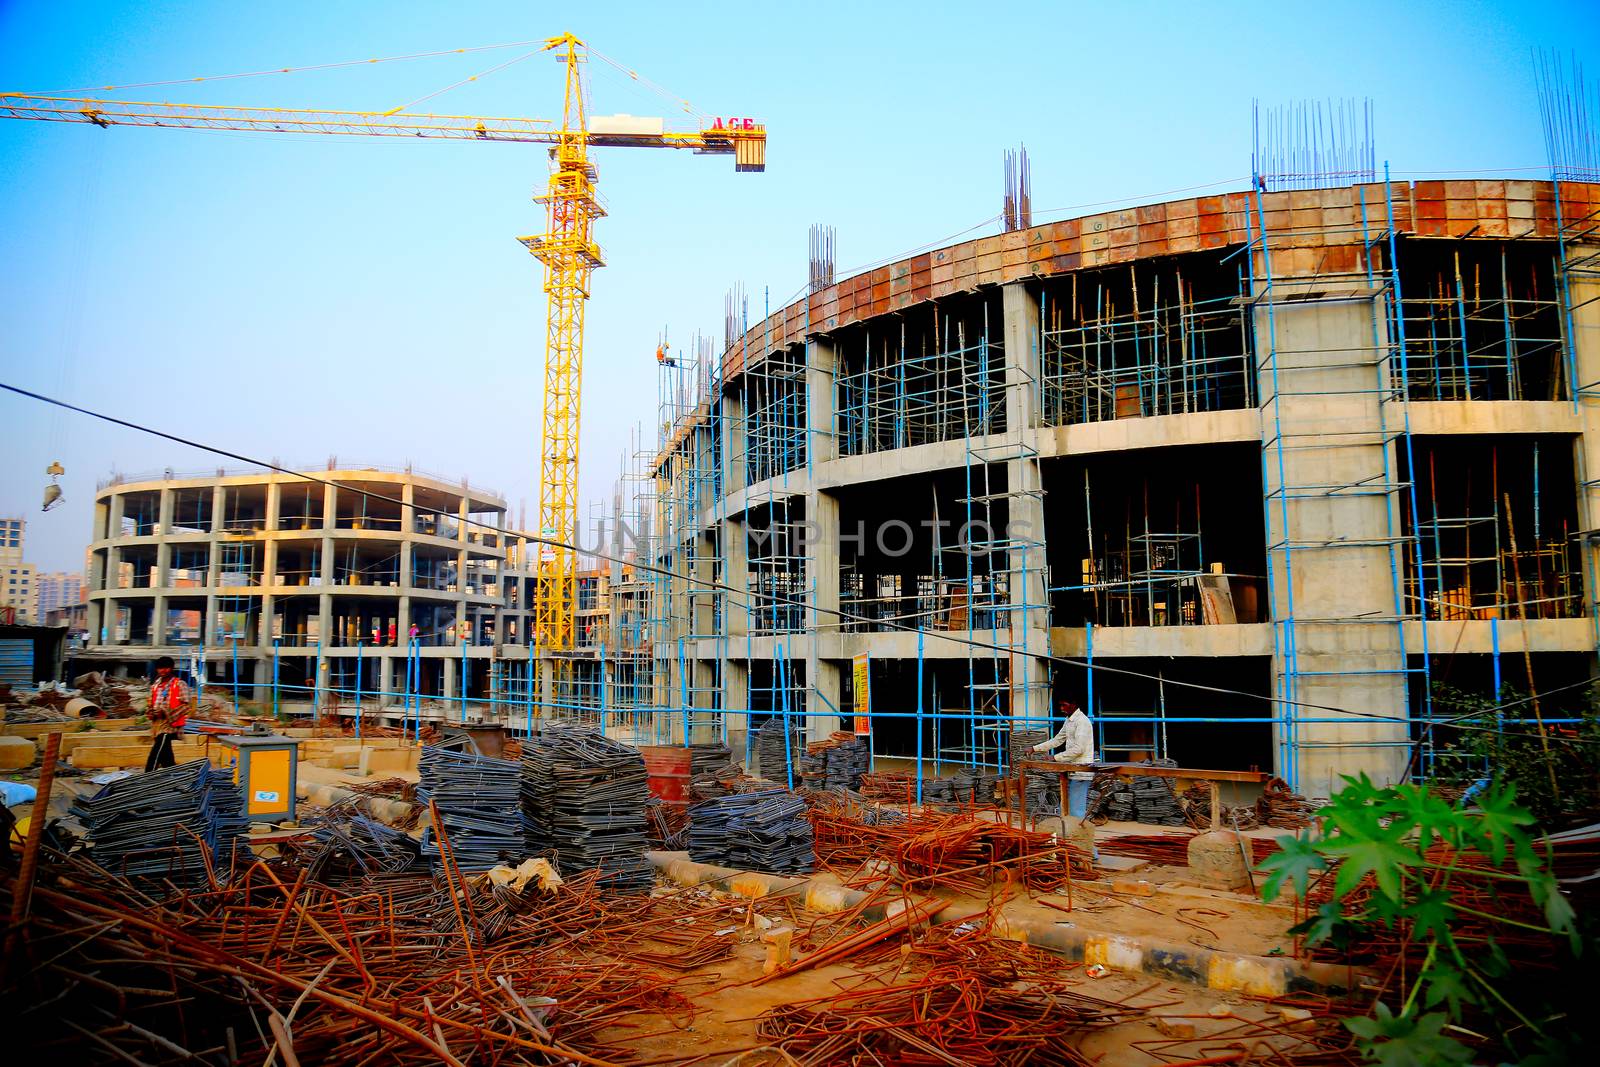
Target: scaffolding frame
(919, 384)
(1167, 353)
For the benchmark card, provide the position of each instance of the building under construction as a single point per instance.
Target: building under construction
(1247, 476)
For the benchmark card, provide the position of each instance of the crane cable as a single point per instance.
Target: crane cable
(293, 70)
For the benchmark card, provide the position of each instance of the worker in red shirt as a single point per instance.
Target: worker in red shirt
(169, 713)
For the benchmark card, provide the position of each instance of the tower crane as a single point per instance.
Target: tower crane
(567, 248)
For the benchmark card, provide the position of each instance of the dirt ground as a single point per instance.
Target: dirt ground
(729, 1005)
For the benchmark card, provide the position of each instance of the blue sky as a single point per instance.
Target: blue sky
(300, 297)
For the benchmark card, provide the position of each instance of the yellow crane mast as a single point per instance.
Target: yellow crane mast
(566, 249)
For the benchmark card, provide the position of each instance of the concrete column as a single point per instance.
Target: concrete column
(736, 568)
(463, 579)
(450, 690)
(735, 702)
(219, 499)
(822, 363)
(102, 519)
(822, 572)
(733, 442)
(162, 577)
(1020, 331)
(325, 619)
(1029, 614)
(385, 678)
(113, 564)
(1328, 476)
(269, 566)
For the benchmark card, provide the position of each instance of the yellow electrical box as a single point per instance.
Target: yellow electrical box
(264, 767)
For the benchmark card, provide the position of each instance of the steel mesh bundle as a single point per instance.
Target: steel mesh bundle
(585, 796)
(150, 827)
(835, 763)
(766, 831)
(772, 760)
(479, 805)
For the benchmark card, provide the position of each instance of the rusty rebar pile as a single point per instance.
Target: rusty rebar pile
(956, 997)
(956, 849)
(380, 972)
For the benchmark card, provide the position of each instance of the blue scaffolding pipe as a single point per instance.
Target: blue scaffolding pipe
(919, 715)
(1411, 470)
(782, 677)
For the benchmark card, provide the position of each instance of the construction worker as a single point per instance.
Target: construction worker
(1076, 741)
(169, 713)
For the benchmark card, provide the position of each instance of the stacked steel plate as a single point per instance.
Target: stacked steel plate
(766, 831)
(585, 796)
(479, 805)
(150, 827)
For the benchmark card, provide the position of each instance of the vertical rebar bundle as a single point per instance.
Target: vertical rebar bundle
(822, 258)
(735, 315)
(1018, 211)
(1308, 144)
(1568, 107)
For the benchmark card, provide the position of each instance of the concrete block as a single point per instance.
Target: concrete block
(1131, 887)
(1215, 859)
(115, 756)
(1296, 1018)
(17, 753)
(779, 948)
(71, 743)
(1175, 1026)
(388, 761)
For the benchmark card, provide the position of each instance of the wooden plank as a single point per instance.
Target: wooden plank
(1146, 770)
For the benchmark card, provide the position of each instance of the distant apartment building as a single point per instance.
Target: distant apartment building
(17, 585)
(55, 591)
(320, 581)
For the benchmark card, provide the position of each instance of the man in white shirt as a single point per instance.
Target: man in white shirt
(1076, 741)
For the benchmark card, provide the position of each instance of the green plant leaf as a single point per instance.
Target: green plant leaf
(1431, 816)
(1446, 984)
(1379, 852)
(1431, 915)
(1326, 924)
(1297, 859)
(1500, 821)
(1403, 1041)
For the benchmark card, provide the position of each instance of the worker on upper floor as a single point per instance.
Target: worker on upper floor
(1075, 739)
(169, 713)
